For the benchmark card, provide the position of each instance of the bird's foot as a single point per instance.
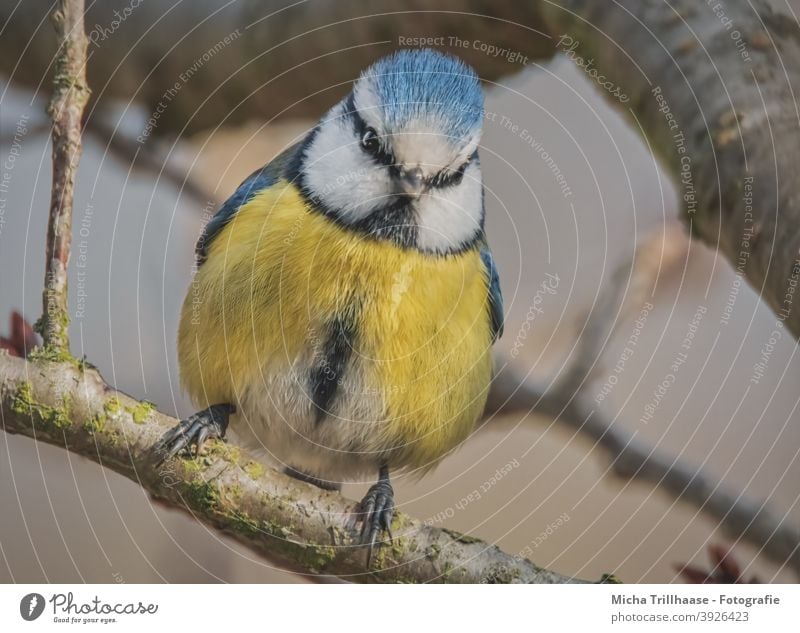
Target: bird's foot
(194, 430)
(375, 512)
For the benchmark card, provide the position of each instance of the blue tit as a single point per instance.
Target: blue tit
(346, 300)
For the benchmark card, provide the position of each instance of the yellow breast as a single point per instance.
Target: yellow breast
(279, 272)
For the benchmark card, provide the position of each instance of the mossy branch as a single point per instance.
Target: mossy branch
(294, 524)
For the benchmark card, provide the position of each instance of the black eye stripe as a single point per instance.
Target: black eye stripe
(444, 178)
(360, 126)
(449, 177)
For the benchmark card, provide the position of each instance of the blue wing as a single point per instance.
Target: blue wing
(257, 181)
(495, 295)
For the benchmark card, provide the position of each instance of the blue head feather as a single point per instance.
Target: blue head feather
(414, 85)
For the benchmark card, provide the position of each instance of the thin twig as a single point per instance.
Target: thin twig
(70, 94)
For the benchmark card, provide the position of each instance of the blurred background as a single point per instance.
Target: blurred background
(189, 98)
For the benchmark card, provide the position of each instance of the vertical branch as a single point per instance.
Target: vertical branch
(70, 94)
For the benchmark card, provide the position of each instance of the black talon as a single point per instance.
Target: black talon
(201, 436)
(194, 430)
(376, 511)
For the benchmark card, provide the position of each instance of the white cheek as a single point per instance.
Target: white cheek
(451, 216)
(338, 174)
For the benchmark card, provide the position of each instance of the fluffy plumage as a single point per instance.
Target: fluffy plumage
(278, 283)
(349, 321)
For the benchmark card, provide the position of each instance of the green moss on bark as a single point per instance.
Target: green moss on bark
(141, 411)
(24, 403)
(253, 469)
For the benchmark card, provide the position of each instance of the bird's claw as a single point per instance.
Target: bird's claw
(194, 430)
(375, 512)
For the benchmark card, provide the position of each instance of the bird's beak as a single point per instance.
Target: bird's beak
(411, 183)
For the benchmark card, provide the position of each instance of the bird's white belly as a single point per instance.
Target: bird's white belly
(276, 418)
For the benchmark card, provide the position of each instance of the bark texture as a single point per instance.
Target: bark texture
(70, 95)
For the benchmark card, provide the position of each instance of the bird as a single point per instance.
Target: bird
(345, 301)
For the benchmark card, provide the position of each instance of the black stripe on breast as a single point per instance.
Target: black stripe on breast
(331, 356)
(394, 222)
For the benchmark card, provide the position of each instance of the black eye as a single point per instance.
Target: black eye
(370, 141)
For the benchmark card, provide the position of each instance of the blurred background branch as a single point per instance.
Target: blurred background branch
(726, 126)
(283, 49)
(567, 402)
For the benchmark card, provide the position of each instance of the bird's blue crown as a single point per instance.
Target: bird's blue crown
(424, 84)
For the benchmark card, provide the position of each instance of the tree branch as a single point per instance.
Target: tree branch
(70, 95)
(299, 526)
(716, 95)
